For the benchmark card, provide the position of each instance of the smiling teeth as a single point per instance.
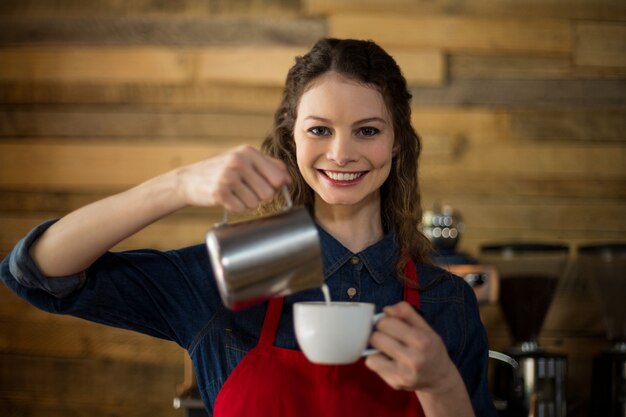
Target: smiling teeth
(343, 176)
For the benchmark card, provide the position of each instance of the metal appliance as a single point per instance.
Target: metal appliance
(444, 226)
(604, 265)
(528, 276)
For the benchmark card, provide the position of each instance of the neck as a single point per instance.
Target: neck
(355, 227)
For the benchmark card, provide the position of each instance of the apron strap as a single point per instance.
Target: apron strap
(270, 323)
(411, 295)
(275, 305)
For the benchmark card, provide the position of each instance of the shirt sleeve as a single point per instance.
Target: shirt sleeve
(170, 295)
(25, 272)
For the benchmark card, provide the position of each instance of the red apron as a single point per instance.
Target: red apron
(274, 381)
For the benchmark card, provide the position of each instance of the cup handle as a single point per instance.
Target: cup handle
(288, 206)
(375, 319)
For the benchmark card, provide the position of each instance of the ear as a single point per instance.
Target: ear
(394, 150)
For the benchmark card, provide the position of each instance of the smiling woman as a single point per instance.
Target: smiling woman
(343, 144)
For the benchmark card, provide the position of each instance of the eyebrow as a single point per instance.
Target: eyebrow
(358, 122)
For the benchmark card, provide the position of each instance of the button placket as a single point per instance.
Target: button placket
(353, 287)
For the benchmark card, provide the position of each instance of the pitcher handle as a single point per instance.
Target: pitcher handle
(287, 207)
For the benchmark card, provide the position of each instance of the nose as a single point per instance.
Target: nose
(341, 149)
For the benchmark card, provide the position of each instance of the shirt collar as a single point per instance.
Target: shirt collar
(379, 258)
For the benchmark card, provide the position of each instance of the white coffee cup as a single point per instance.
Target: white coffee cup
(335, 333)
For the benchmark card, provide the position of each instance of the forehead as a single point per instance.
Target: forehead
(333, 94)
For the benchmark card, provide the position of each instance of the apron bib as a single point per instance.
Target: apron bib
(274, 381)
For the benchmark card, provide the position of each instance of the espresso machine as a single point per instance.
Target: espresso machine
(444, 226)
(604, 265)
(531, 381)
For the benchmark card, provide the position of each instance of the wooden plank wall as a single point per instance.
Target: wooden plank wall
(521, 106)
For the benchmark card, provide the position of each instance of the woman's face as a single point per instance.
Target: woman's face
(344, 141)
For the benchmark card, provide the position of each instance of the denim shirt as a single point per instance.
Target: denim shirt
(173, 295)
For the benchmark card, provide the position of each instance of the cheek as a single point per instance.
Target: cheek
(382, 155)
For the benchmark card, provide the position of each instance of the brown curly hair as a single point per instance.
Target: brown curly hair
(367, 63)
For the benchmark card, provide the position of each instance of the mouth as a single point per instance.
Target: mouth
(343, 178)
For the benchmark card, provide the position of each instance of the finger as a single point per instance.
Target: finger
(245, 175)
(403, 349)
(388, 370)
(398, 329)
(273, 170)
(406, 312)
(246, 195)
(232, 203)
(257, 183)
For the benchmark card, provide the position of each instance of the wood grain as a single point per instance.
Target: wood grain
(595, 9)
(150, 7)
(130, 123)
(83, 64)
(64, 29)
(600, 44)
(197, 96)
(592, 125)
(488, 67)
(523, 93)
(454, 33)
(83, 340)
(88, 381)
(77, 165)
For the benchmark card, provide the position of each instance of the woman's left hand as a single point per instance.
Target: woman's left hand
(412, 356)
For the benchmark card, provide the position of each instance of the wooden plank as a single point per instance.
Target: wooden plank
(116, 8)
(124, 122)
(579, 186)
(88, 381)
(421, 67)
(68, 165)
(582, 125)
(474, 124)
(65, 29)
(200, 96)
(503, 35)
(260, 65)
(36, 407)
(247, 65)
(67, 340)
(463, 66)
(600, 44)
(519, 159)
(527, 93)
(56, 203)
(21, 200)
(107, 64)
(595, 9)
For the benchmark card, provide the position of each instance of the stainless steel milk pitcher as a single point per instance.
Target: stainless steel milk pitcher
(266, 257)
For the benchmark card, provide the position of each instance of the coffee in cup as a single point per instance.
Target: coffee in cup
(335, 332)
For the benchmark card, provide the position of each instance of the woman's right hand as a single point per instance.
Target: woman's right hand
(237, 180)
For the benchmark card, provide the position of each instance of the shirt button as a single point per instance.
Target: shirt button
(355, 260)
(351, 292)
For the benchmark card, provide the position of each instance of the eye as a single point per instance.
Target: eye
(368, 132)
(319, 131)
